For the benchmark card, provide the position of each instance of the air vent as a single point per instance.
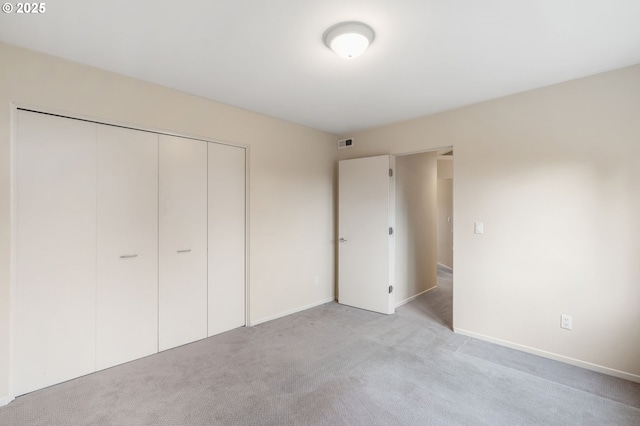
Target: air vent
(345, 143)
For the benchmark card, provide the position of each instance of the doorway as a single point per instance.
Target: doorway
(445, 208)
(416, 265)
(445, 236)
(424, 240)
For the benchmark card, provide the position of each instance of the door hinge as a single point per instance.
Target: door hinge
(390, 289)
(390, 172)
(390, 231)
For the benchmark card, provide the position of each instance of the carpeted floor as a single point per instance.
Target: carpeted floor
(336, 365)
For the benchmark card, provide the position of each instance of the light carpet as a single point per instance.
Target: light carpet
(337, 365)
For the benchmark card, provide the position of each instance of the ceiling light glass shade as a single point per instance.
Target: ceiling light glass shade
(349, 39)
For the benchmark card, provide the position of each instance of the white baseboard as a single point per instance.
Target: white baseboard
(4, 401)
(578, 363)
(412, 298)
(442, 265)
(291, 311)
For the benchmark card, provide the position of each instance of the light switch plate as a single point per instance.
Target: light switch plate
(478, 228)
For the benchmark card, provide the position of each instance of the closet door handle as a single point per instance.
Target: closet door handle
(184, 251)
(128, 256)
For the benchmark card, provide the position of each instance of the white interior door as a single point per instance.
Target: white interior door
(227, 212)
(127, 258)
(365, 246)
(56, 249)
(182, 282)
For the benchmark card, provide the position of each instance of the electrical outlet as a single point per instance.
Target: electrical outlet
(316, 281)
(566, 321)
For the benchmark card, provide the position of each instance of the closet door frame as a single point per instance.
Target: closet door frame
(13, 212)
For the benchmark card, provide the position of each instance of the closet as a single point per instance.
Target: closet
(128, 242)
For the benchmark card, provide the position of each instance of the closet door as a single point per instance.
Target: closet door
(127, 225)
(183, 241)
(226, 238)
(56, 249)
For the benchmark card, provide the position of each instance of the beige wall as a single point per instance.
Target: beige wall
(445, 167)
(416, 214)
(554, 174)
(291, 174)
(445, 215)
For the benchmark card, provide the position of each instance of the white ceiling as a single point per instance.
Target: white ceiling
(268, 56)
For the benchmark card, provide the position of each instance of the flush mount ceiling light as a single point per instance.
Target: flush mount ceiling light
(349, 39)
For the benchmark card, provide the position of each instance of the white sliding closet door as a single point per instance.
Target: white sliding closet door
(56, 249)
(226, 238)
(127, 270)
(183, 241)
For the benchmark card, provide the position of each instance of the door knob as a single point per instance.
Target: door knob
(342, 240)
